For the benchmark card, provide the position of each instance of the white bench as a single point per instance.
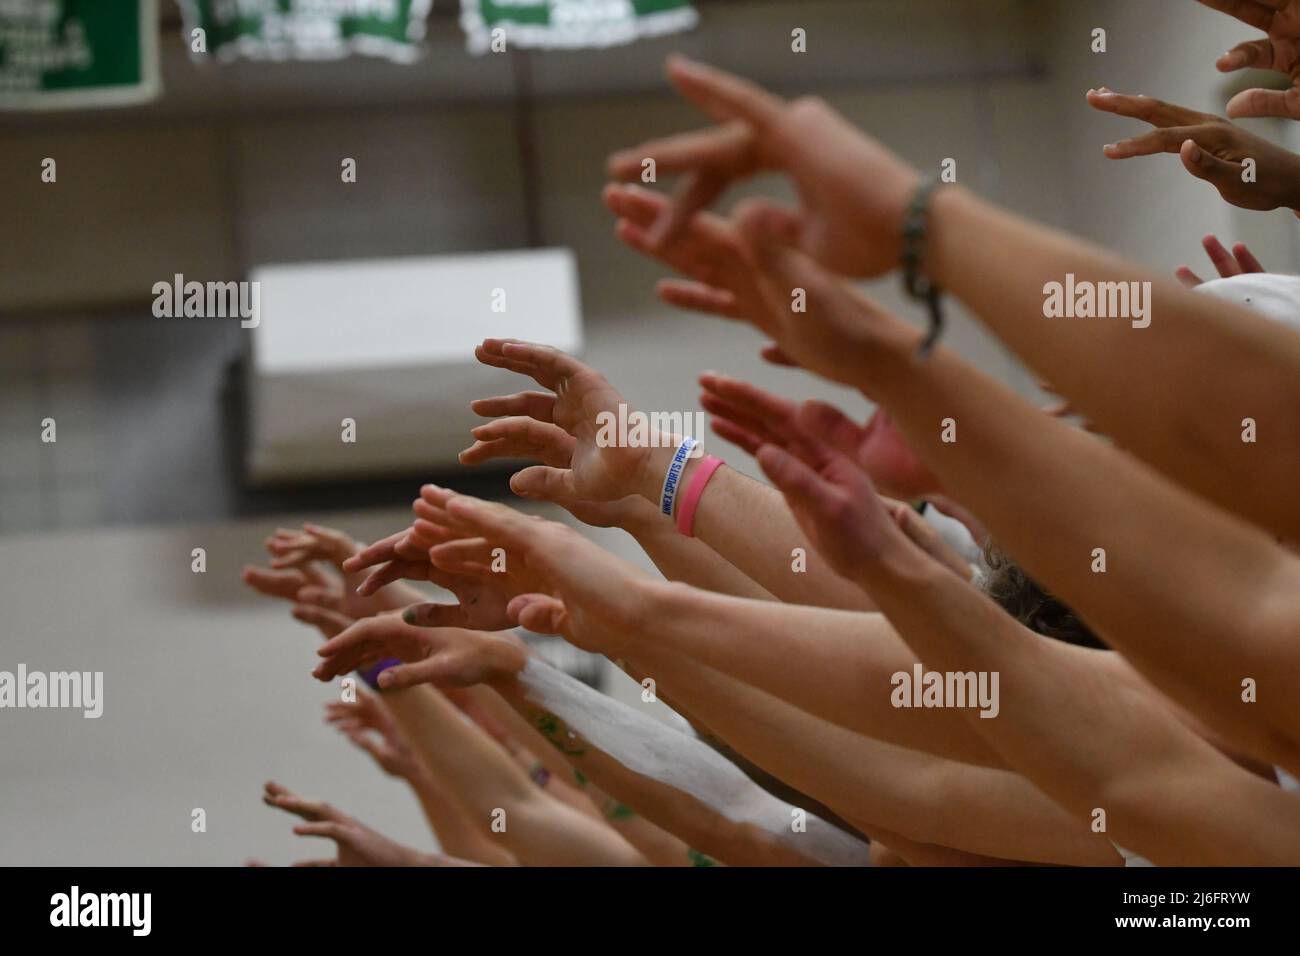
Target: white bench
(390, 344)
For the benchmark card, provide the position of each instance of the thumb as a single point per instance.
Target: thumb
(1203, 165)
(539, 613)
(544, 483)
(1258, 102)
(430, 614)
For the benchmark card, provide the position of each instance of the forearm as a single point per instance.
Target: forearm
(456, 832)
(880, 788)
(836, 665)
(1056, 701)
(537, 829)
(549, 771)
(750, 526)
(1190, 572)
(690, 560)
(673, 779)
(998, 264)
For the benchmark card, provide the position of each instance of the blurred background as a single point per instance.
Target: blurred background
(178, 433)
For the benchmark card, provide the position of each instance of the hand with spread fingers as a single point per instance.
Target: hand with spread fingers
(720, 278)
(451, 656)
(306, 567)
(483, 579)
(372, 729)
(1211, 148)
(582, 591)
(584, 405)
(750, 417)
(1279, 51)
(853, 192)
(356, 843)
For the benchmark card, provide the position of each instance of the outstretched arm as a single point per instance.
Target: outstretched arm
(495, 791)
(1163, 790)
(855, 196)
(1190, 573)
(743, 521)
(671, 778)
(837, 665)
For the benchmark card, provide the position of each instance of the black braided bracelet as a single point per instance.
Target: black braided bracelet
(917, 284)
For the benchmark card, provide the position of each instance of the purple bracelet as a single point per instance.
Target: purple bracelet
(371, 674)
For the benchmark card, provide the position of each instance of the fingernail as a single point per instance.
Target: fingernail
(1195, 153)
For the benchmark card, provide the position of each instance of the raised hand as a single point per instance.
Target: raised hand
(831, 497)
(853, 192)
(1211, 148)
(1241, 260)
(581, 400)
(1279, 51)
(720, 277)
(751, 418)
(313, 560)
(356, 844)
(584, 593)
(482, 592)
(367, 725)
(450, 656)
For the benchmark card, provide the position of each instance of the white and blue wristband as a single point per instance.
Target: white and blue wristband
(673, 478)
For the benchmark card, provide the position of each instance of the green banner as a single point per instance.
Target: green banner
(569, 24)
(77, 53)
(305, 29)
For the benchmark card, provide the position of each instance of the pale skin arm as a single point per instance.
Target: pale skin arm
(749, 525)
(876, 786)
(700, 565)
(539, 830)
(371, 727)
(1180, 572)
(461, 657)
(659, 846)
(1164, 790)
(998, 263)
(481, 777)
(855, 194)
(1150, 772)
(696, 823)
(558, 546)
(836, 665)
(356, 844)
(320, 601)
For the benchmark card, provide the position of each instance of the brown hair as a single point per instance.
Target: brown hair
(1030, 603)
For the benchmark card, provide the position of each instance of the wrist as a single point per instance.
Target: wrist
(654, 468)
(506, 657)
(896, 567)
(640, 518)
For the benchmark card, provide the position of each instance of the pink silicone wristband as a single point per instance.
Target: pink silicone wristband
(691, 500)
